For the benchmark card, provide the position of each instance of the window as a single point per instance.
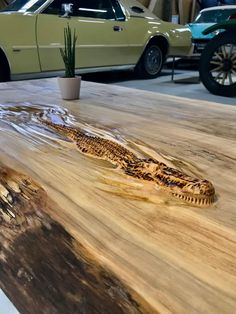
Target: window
(55, 7)
(95, 9)
(103, 9)
(214, 16)
(24, 5)
(118, 10)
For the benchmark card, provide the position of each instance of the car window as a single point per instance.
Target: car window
(95, 9)
(24, 5)
(55, 7)
(120, 16)
(214, 16)
(85, 8)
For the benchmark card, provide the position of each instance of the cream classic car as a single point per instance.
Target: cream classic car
(112, 34)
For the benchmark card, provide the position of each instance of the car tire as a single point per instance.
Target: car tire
(2, 73)
(217, 65)
(150, 63)
(4, 68)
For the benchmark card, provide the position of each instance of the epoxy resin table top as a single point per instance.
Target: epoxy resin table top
(172, 257)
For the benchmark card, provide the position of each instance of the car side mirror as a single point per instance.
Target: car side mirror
(67, 9)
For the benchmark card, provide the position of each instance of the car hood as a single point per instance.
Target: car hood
(197, 29)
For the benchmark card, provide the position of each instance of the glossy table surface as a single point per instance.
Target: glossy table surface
(166, 256)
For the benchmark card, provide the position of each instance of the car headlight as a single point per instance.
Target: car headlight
(216, 32)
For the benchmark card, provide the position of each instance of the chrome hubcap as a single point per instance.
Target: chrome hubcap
(223, 65)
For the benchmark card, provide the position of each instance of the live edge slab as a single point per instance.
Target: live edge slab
(79, 236)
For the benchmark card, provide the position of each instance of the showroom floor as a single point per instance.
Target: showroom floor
(185, 84)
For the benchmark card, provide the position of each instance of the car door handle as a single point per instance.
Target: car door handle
(117, 28)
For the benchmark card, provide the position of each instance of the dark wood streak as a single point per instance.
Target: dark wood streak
(43, 269)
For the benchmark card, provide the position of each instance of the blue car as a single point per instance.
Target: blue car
(206, 18)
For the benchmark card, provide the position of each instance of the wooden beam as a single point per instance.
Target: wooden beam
(152, 4)
(193, 10)
(181, 11)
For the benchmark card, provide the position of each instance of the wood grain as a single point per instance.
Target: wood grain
(43, 267)
(176, 258)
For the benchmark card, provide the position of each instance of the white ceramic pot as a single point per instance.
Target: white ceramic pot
(69, 87)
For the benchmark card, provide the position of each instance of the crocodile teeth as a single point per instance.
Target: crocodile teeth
(195, 201)
(14, 186)
(9, 198)
(11, 213)
(3, 191)
(5, 195)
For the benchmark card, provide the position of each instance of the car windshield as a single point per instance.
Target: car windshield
(214, 16)
(24, 5)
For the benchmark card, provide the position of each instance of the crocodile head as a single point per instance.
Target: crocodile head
(198, 192)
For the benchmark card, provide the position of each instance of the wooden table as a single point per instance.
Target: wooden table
(92, 239)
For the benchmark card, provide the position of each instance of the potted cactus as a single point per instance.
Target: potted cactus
(69, 84)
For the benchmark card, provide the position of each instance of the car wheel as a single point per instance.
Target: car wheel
(4, 68)
(2, 74)
(151, 62)
(218, 65)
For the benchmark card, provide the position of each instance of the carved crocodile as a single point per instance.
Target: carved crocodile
(192, 190)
